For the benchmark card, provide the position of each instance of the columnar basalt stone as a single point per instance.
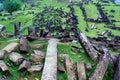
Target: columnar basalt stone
(89, 49)
(17, 28)
(50, 66)
(81, 71)
(23, 45)
(37, 57)
(101, 66)
(32, 33)
(4, 68)
(2, 54)
(88, 66)
(31, 30)
(69, 68)
(16, 58)
(41, 32)
(35, 68)
(36, 46)
(11, 47)
(117, 69)
(25, 65)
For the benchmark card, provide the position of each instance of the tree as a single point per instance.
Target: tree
(12, 5)
(1, 1)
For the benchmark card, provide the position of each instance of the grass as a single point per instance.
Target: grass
(91, 11)
(63, 48)
(81, 23)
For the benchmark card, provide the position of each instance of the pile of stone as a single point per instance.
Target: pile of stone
(33, 64)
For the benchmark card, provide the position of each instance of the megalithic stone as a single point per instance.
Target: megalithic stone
(69, 68)
(50, 66)
(17, 28)
(101, 66)
(81, 71)
(23, 45)
(117, 69)
(31, 30)
(11, 47)
(89, 49)
(4, 68)
(32, 33)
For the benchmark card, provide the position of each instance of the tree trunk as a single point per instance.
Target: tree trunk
(117, 69)
(81, 71)
(93, 54)
(50, 66)
(23, 45)
(101, 66)
(11, 47)
(4, 68)
(69, 68)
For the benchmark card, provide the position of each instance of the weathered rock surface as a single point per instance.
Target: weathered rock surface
(37, 57)
(81, 71)
(35, 68)
(50, 66)
(11, 47)
(2, 54)
(16, 58)
(36, 46)
(4, 68)
(88, 66)
(25, 65)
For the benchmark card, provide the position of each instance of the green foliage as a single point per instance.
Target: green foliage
(24, 0)
(12, 5)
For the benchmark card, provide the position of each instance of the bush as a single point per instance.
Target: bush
(12, 5)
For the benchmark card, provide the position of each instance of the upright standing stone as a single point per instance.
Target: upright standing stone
(41, 32)
(50, 66)
(23, 45)
(17, 28)
(32, 33)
